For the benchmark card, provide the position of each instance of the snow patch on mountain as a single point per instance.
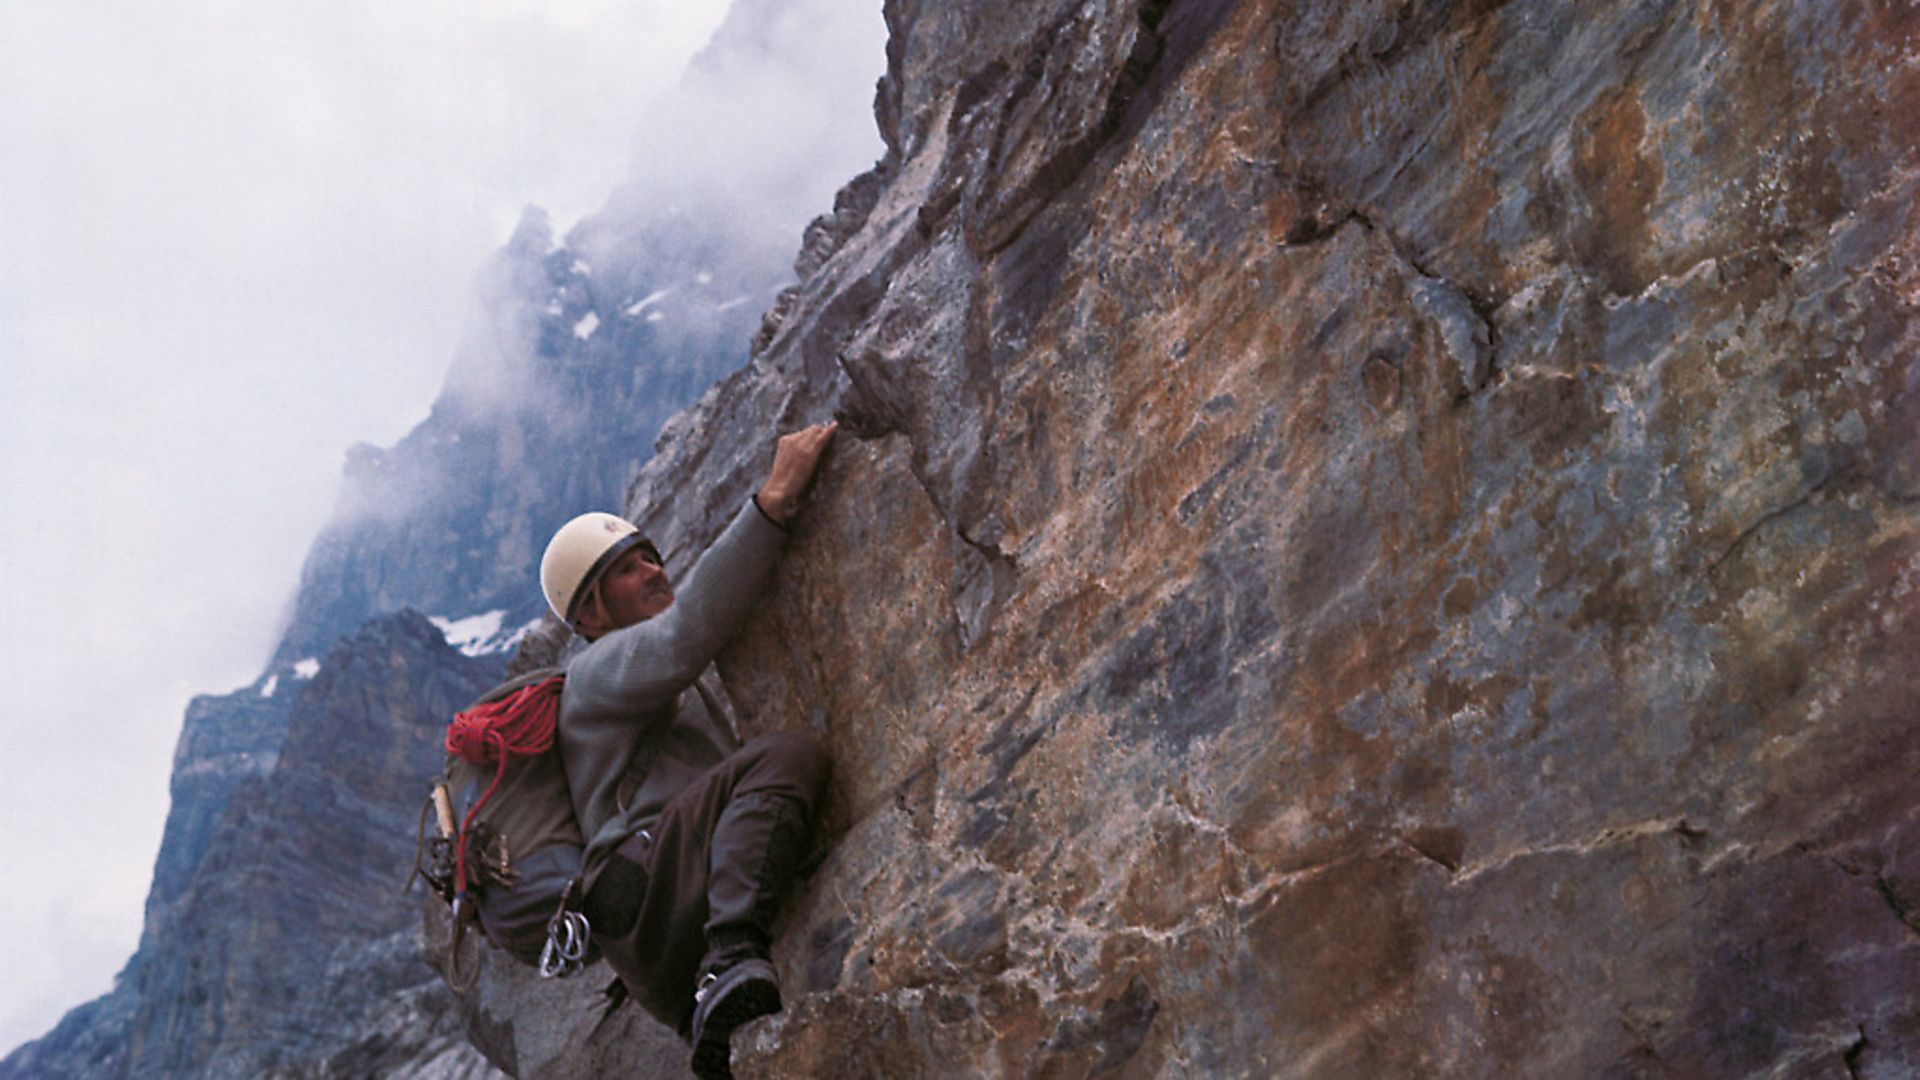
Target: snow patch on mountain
(652, 298)
(482, 634)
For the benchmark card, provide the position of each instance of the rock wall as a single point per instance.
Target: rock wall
(1371, 539)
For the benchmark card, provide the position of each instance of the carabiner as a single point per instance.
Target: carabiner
(567, 938)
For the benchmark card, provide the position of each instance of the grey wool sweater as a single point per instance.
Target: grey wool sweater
(638, 723)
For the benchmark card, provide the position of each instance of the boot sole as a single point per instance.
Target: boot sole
(713, 1054)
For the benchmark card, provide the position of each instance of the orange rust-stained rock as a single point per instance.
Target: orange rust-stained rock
(1610, 160)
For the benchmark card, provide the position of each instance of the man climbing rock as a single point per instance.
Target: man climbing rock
(692, 839)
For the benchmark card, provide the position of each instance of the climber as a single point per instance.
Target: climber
(692, 839)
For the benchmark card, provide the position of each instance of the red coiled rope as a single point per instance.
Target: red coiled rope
(519, 725)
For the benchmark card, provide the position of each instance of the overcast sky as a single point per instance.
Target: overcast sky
(235, 239)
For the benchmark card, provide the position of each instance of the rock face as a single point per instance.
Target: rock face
(224, 741)
(1371, 539)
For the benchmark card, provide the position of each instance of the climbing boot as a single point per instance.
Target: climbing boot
(726, 999)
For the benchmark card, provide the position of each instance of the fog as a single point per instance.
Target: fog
(236, 239)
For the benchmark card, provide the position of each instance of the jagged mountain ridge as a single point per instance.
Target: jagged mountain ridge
(287, 950)
(450, 518)
(294, 909)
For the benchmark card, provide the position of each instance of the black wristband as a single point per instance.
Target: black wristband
(763, 513)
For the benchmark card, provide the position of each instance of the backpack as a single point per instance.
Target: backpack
(508, 853)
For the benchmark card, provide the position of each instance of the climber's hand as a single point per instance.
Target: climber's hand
(795, 458)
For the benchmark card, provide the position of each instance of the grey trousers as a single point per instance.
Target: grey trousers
(711, 871)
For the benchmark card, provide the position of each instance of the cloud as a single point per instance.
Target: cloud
(759, 122)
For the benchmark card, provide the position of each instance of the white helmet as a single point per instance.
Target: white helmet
(578, 553)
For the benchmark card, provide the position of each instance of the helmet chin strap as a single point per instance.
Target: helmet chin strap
(590, 604)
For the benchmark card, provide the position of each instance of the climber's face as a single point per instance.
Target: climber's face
(634, 589)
